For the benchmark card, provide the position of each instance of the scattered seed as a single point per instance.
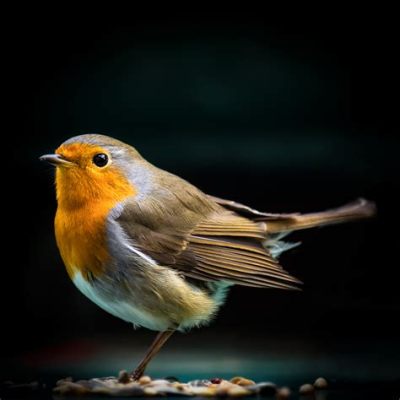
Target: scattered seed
(283, 393)
(123, 377)
(123, 386)
(239, 380)
(144, 380)
(321, 383)
(306, 389)
(265, 388)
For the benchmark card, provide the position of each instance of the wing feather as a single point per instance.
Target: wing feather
(228, 263)
(204, 241)
(235, 276)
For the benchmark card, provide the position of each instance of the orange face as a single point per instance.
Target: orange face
(89, 185)
(81, 153)
(89, 176)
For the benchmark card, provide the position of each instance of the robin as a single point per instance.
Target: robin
(152, 249)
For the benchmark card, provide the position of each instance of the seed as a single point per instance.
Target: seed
(239, 380)
(265, 388)
(144, 380)
(283, 393)
(320, 383)
(306, 389)
(123, 377)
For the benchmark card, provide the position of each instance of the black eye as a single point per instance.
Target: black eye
(100, 159)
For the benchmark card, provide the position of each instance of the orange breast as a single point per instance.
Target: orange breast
(80, 224)
(81, 240)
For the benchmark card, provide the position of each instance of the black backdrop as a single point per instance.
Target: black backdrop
(299, 115)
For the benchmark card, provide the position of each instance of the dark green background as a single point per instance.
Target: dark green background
(290, 115)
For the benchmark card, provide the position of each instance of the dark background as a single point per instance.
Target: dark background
(282, 114)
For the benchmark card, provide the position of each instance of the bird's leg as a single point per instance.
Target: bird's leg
(155, 347)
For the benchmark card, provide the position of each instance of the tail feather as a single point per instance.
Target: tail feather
(358, 209)
(278, 226)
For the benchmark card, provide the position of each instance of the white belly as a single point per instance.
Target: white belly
(121, 309)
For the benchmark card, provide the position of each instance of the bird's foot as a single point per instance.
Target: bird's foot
(137, 374)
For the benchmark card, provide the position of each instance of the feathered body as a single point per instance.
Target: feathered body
(152, 249)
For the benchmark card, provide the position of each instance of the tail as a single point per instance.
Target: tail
(278, 226)
(358, 209)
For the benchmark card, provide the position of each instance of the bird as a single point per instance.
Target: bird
(152, 249)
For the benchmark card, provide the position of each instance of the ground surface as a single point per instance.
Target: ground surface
(355, 370)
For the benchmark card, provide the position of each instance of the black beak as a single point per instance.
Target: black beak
(55, 159)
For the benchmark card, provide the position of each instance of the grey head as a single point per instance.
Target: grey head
(117, 149)
(95, 152)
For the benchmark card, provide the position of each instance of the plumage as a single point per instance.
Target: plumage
(195, 244)
(154, 250)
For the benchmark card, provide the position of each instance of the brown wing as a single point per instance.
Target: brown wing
(203, 241)
(227, 246)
